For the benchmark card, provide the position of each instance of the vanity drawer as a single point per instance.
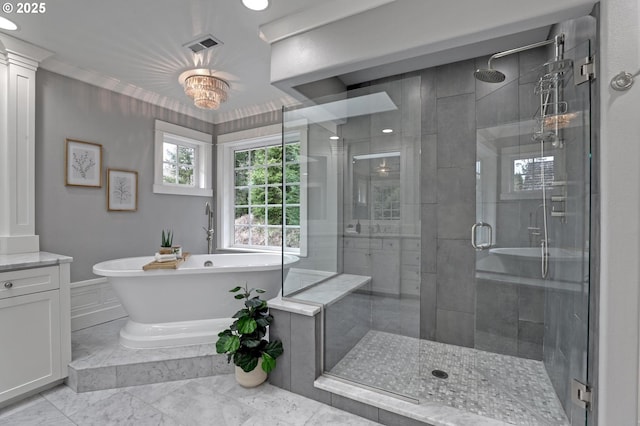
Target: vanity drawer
(349, 242)
(411, 258)
(409, 244)
(392, 244)
(410, 273)
(18, 283)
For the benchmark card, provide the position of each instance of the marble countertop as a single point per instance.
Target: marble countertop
(332, 290)
(293, 307)
(11, 262)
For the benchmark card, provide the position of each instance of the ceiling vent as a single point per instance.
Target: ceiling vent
(202, 43)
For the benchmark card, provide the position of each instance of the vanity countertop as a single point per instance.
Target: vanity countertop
(378, 235)
(12, 262)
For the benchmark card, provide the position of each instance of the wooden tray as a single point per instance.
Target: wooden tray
(174, 264)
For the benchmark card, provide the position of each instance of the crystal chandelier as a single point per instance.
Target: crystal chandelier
(383, 170)
(207, 91)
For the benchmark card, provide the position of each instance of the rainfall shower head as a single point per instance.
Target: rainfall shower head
(489, 75)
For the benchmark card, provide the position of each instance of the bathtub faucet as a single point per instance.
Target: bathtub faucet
(209, 212)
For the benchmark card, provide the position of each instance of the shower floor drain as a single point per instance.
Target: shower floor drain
(440, 374)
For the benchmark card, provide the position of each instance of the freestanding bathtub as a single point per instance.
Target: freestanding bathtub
(192, 304)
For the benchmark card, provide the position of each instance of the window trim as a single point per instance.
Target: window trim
(249, 139)
(203, 166)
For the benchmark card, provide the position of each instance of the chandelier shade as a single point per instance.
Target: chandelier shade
(207, 91)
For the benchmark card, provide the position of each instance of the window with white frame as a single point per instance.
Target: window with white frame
(183, 161)
(525, 171)
(262, 191)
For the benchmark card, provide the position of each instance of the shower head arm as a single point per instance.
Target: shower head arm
(557, 40)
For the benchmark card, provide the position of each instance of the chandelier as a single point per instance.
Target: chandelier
(207, 91)
(383, 169)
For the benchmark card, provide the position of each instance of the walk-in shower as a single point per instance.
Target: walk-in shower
(492, 323)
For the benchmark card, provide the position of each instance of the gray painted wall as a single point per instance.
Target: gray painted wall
(74, 221)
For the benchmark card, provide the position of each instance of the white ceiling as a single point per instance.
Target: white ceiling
(136, 48)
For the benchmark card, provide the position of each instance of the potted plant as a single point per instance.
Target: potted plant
(166, 244)
(244, 341)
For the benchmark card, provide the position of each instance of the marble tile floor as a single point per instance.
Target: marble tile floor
(501, 387)
(215, 400)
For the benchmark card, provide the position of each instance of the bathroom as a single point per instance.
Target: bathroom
(67, 218)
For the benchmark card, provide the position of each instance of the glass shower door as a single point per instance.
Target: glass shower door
(532, 229)
(362, 165)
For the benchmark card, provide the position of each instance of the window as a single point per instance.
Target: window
(263, 179)
(524, 170)
(386, 200)
(178, 161)
(183, 163)
(528, 173)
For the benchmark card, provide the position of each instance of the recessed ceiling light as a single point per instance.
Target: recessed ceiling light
(334, 138)
(256, 4)
(387, 130)
(6, 24)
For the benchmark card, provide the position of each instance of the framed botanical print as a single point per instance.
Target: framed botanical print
(83, 163)
(122, 190)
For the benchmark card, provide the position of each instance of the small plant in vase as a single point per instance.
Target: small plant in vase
(244, 341)
(166, 242)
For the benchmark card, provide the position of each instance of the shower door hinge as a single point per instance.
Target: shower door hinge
(581, 394)
(584, 69)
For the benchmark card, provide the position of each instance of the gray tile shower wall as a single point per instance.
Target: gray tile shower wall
(447, 188)
(497, 317)
(504, 317)
(299, 365)
(346, 321)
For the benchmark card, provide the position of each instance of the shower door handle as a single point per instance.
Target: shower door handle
(474, 243)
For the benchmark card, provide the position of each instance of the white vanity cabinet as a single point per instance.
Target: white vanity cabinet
(35, 329)
(393, 263)
(378, 258)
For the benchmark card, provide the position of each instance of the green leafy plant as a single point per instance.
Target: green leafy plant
(167, 238)
(243, 341)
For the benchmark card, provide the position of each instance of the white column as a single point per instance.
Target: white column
(18, 65)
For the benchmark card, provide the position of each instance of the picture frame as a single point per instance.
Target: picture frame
(122, 190)
(83, 163)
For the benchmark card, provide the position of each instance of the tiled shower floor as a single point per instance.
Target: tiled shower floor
(513, 390)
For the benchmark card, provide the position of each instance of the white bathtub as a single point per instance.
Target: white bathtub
(192, 304)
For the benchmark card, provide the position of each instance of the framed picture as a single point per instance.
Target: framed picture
(122, 190)
(83, 163)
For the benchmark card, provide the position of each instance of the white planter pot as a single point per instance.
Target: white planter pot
(253, 378)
